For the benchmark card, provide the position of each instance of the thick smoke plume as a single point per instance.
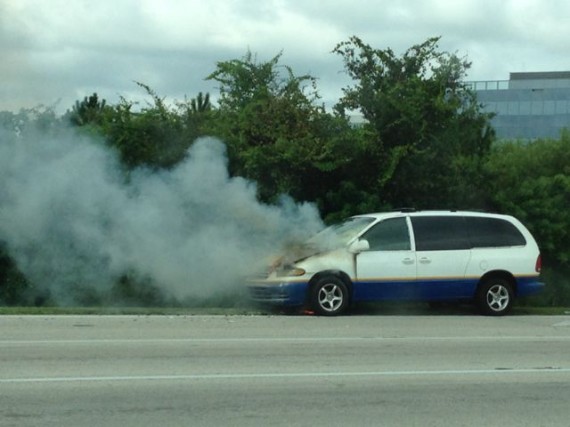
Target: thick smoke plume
(71, 218)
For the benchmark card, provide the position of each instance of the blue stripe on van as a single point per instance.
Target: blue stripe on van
(435, 289)
(419, 290)
(529, 285)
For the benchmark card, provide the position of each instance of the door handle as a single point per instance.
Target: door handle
(408, 261)
(425, 260)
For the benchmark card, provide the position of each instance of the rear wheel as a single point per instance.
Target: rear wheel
(329, 296)
(495, 296)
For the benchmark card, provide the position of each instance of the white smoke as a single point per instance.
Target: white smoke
(69, 218)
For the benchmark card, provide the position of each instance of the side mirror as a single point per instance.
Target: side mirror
(359, 246)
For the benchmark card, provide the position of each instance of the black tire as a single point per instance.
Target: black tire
(495, 296)
(329, 296)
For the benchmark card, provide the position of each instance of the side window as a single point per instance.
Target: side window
(389, 235)
(440, 233)
(493, 233)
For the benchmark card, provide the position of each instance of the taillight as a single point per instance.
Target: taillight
(538, 266)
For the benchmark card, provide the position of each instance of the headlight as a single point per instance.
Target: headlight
(292, 271)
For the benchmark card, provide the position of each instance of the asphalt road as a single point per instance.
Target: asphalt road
(284, 371)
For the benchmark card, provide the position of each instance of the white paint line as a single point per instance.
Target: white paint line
(565, 323)
(293, 375)
(5, 343)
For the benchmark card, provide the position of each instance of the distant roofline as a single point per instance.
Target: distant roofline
(541, 75)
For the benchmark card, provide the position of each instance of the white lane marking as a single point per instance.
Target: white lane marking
(269, 375)
(278, 340)
(565, 323)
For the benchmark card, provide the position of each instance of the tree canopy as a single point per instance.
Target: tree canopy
(422, 121)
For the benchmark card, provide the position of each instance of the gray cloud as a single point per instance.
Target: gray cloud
(60, 49)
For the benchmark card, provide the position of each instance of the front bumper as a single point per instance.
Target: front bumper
(279, 293)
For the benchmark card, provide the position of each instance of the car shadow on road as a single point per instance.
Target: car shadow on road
(403, 309)
(390, 309)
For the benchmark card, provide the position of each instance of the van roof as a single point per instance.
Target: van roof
(407, 212)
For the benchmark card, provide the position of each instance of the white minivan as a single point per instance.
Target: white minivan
(407, 255)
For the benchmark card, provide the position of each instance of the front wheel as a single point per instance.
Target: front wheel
(329, 296)
(495, 296)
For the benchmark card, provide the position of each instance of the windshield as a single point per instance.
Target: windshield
(340, 234)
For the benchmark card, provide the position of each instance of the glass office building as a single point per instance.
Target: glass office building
(528, 105)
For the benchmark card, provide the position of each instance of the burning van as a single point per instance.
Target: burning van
(423, 256)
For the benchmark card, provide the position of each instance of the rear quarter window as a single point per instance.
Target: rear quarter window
(493, 233)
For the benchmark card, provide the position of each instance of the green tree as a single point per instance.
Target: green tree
(157, 135)
(90, 111)
(427, 133)
(41, 120)
(201, 103)
(275, 132)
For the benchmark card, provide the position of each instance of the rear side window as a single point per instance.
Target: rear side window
(389, 235)
(440, 233)
(493, 232)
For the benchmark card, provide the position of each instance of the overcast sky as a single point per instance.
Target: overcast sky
(62, 50)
